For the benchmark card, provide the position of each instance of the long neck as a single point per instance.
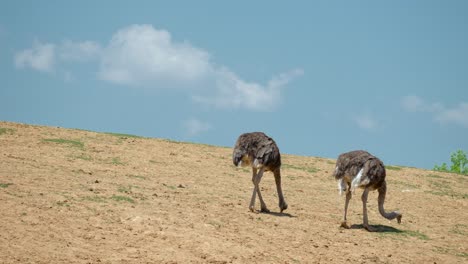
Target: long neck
(382, 192)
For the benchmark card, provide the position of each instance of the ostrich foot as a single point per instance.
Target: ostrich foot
(252, 209)
(344, 225)
(264, 210)
(398, 218)
(283, 206)
(369, 228)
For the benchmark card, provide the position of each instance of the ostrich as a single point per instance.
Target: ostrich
(360, 169)
(261, 153)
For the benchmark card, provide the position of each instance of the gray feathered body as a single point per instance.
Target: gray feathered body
(261, 153)
(257, 150)
(360, 169)
(349, 165)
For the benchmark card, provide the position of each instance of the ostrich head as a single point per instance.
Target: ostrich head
(240, 158)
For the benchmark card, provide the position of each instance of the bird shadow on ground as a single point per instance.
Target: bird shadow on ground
(379, 228)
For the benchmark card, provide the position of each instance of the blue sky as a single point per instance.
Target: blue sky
(320, 77)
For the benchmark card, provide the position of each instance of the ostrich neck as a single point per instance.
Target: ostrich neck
(382, 192)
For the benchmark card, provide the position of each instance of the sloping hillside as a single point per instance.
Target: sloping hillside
(73, 196)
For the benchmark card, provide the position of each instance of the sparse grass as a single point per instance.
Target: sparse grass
(415, 234)
(63, 203)
(405, 184)
(441, 184)
(83, 156)
(137, 177)
(120, 135)
(170, 186)
(395, 168)
(460, 229)
(441, 250)
(171, 141)
(443, 188)
(434, 176)
(125, 189)
(408, 167)
(4, 130)
(450, 251)
(5, 185)
(14, 194)
(117, 161)
(306, 169)
(120, 198)
(449, 193)
(190, 143)
(214, 223)
(95, 198)
(71, 143)
(439, 193)
(312, 170)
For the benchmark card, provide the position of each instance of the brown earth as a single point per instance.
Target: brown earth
(73, 196)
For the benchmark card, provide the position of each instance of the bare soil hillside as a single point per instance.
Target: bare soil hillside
(73, 196)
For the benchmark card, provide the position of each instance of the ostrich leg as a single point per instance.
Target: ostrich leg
(364, 210)
(263, 207)
(256, 178)
(349, 194)
(254, 194)
(282, 203)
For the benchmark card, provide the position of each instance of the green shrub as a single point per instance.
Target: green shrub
(459, 163)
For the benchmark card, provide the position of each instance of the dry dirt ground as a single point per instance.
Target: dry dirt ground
(73, 196)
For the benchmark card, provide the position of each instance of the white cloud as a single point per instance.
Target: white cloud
(365, 122)
(79, 51)
(233, 92)
(194, 127)
(457, 115)
(44, 57)
(40, 57)
(413, 103)
(444, 115)
(141, 54)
